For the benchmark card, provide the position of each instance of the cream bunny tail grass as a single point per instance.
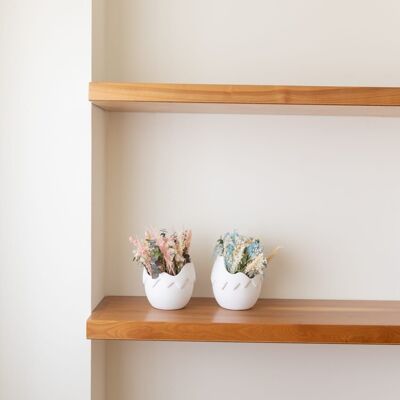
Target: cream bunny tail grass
(274, 252)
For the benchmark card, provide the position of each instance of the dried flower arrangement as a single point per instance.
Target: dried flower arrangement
(162, 252)
(242, 254)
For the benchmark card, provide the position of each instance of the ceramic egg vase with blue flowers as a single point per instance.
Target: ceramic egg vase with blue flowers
(238, 272)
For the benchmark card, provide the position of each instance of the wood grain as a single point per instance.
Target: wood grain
(271, 320)
(164, 97)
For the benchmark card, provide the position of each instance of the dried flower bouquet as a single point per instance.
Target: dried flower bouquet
(242, 254)
(162, 252)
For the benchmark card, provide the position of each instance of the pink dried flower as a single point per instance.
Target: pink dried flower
(160, 252)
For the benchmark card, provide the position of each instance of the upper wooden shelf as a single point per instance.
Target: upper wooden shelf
(284, 321)
(164, 97)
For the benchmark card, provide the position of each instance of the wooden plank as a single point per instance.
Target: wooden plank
(271, 320)
(164, 97)
(257, 109)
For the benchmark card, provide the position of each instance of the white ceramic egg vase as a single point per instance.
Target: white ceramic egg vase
(170, 292)
(234, 291)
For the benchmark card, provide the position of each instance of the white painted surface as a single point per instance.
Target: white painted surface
(44, 199)
(99, 162)
(99, 121)
(222, 371)
(323, 187)
(309, 42)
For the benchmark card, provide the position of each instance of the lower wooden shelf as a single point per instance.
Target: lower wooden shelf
(271, 320)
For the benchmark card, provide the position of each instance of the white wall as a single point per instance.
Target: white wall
(45, 162)
(224, 371)
(99, 162)
(99, 121)
(342, 42)
(323, 187)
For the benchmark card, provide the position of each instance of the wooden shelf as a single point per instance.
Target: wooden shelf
(257, 99)
(284, 321)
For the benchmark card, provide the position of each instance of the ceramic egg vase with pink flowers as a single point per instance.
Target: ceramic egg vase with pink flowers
(168, 273)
